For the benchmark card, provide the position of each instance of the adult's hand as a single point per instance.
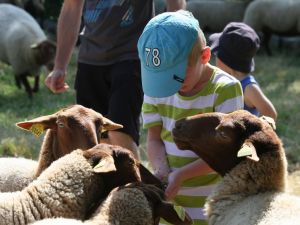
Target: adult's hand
(55, 81)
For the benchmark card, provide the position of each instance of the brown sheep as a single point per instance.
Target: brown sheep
(246, 151)
(68, 129)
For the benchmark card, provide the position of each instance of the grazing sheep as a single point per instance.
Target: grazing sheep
(213, 16)
(24, 46)
(132, 204)
(246, 151)
(72, 187)
(273, 17)
(68, 129)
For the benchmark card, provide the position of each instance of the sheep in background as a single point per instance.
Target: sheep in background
(68, 129)
(132, 204)
(274, 17)
(24, 46)
(72, 187)
(246, 151)
(213, 16)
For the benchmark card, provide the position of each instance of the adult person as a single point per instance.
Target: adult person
(108, 70)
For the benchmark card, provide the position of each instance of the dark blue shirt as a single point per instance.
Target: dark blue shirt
(245, 82)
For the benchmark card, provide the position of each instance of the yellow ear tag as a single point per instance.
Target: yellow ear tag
(37, 129)
(245, 151)
(180, 212)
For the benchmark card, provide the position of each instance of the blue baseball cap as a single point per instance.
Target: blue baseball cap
(164, 48)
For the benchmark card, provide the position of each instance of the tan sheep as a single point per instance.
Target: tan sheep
(68, 129)
(132, 204)
(246, 151)
(71, 187)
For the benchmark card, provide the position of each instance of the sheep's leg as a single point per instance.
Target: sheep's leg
(36, 84)
(24, 81)
(18, 81)
(266, 42)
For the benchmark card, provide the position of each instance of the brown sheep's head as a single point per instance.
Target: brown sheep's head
(71, 128)
(120, 161)
(116, 165)
(223, 139)
(44, 53)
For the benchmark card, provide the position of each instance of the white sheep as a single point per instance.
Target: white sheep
(132, 204)
(213, 16)
(274, 17)
(72, 187)
(68, 129)
(16, 173)
(24, 45)
(246, 151)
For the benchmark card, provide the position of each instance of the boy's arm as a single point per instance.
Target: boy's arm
(157, 153)
(177, 177)
(255, 97)
(174, 5)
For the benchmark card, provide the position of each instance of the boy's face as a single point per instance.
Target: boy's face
(195, 75)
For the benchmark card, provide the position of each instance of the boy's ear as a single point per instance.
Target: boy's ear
(205, 56)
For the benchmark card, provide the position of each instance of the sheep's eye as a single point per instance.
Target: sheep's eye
(60, 124)
(222, 134)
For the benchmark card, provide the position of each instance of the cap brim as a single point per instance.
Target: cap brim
(214, 42)
(163, 83)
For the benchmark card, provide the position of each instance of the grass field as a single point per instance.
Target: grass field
(279, 77)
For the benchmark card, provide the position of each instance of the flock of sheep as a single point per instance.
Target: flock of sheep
(77, 180)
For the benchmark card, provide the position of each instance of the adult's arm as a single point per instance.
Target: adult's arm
(67, 33)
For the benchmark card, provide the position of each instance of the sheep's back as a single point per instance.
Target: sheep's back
(279, 16)
(16, 173)
(124, 206)
(213, 16)
(268, 208)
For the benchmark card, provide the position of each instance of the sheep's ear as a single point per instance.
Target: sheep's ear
(38, 125)
(110, 125)
(249, 151)
(105, 165)
(172, 214)
(269, 120)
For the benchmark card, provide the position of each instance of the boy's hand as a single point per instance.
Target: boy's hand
(174, 184)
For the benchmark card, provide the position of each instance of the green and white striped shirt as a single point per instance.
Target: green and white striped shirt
(223, 93)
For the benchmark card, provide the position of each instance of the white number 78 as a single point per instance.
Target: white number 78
(155, 56)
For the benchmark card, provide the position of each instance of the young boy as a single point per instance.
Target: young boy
(235, 49)
(178, 81)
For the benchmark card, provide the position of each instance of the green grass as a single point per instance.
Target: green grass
(278, 76)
